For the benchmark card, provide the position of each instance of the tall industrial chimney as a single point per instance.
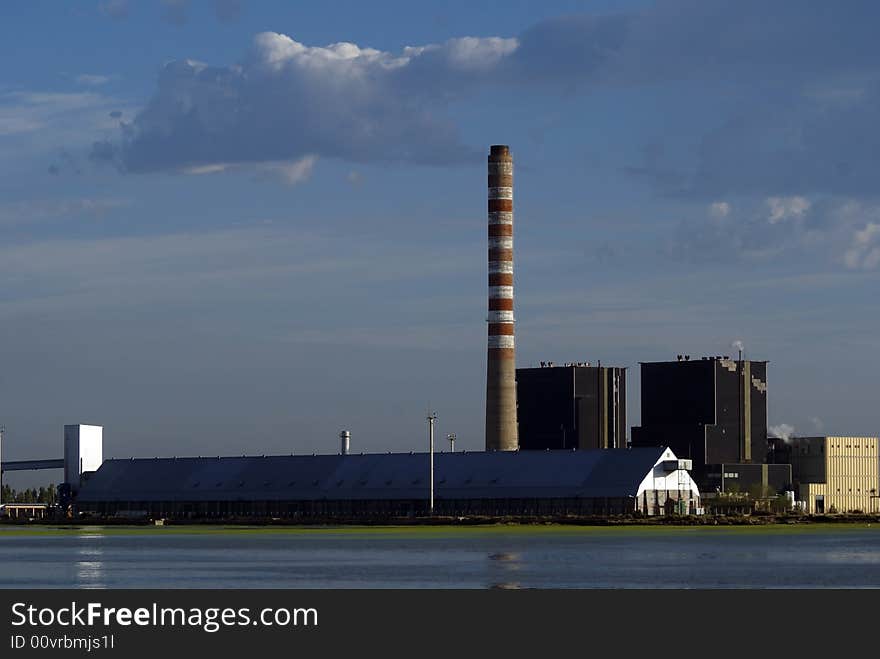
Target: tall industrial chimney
(501, 429)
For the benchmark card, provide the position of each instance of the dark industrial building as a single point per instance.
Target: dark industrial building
(758, 480)
(714, 411)
(651, 480)
(571, 406)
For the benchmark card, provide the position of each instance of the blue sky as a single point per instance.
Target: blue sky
(233, 227)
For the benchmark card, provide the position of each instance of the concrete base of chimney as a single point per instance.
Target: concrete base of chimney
(501, 427)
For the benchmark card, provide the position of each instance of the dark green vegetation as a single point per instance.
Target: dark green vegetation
(436, 530)
(415, 523)
(46, 495)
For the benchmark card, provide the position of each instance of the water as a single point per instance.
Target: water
(496, 557)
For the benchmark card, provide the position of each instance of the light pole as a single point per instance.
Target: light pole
(451, 437)
(2, 430)
(432, 417)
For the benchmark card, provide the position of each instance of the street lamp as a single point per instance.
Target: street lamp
(2, 430)
(432, 417)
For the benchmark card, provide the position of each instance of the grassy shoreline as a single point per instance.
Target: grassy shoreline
(54, 528)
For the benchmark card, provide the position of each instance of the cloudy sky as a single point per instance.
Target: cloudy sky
(232, 227)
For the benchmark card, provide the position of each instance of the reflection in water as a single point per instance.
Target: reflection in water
(89, 563)
(625, 557)
(501, 567)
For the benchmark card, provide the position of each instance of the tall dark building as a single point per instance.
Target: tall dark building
(712, 410)
(571, 406)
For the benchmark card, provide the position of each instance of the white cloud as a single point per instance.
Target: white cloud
(468, 53)
(287, 102)
(831, 229)
(294, 172)
(210, 168)
(288, 172)
(37, 125)
(864, 252)
(92, 80)
(785, 208)
(719, 209)
(867, 235)
(286, 99)
(116, 9)
(136, 271)
(25, 212)
(27, 112)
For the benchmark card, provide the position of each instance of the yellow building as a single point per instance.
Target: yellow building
(837, 474)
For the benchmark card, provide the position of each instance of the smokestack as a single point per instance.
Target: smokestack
(501, 429)
(344, 442)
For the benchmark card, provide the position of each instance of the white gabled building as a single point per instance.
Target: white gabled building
(669, 487)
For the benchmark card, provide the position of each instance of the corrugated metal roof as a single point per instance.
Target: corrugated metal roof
(478, 475)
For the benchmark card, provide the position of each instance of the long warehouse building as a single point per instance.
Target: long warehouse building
(617, 481)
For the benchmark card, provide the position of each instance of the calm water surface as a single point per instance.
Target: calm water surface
(815, 557)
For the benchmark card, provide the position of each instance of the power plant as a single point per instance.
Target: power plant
(501, 426)
(712, 409)
(572, 405)
(555, 444)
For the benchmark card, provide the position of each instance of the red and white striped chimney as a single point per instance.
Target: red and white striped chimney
(501, 428)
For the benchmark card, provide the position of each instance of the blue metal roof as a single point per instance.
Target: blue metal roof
(477, 475)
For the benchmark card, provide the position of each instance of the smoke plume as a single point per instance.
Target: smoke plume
(784, 431)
